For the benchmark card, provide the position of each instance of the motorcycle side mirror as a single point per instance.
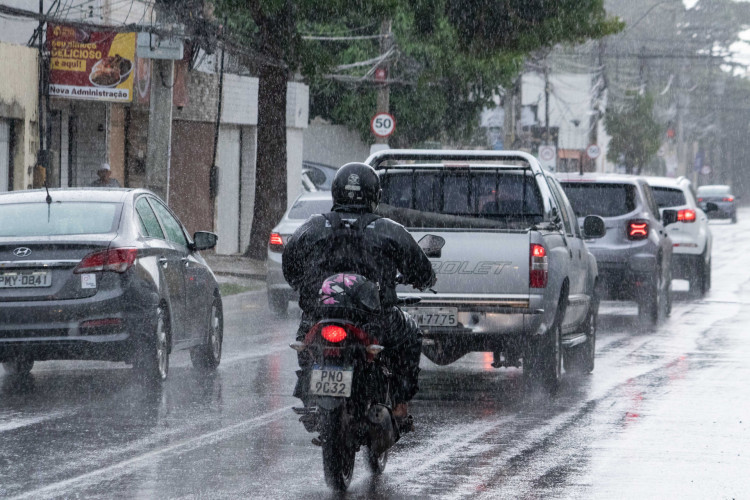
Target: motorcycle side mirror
(432, 245)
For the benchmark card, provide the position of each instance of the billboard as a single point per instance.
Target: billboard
(91, 65)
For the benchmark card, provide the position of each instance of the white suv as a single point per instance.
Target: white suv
(691, 235)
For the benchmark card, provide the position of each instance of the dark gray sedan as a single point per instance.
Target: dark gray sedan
(721, 196)
(103, 274)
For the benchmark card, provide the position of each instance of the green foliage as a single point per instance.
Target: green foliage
(636, 136)
(452, 54)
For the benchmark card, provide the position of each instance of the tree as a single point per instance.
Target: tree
(453, 55)
(635, 133)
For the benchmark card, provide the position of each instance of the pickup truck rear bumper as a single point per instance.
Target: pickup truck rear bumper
(482, 316)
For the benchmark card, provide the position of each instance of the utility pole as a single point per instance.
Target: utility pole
(510, 100)
(383, 97)
(546, 103)
(600, 83)
(159, 147)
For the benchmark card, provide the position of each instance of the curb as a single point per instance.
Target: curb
(252, 276)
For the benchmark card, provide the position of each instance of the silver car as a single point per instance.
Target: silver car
(307, 204)
(635, 256)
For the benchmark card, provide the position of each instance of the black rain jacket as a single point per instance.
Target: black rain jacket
(357, 242)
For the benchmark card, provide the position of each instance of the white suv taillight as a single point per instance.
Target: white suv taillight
(117, 260)
(537, 266)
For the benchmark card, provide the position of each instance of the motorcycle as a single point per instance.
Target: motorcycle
(348, 386)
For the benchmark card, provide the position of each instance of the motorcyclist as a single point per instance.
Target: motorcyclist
(353, 239)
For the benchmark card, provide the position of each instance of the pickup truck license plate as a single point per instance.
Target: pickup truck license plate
(434, 316)
(331, 381)
(36, 279)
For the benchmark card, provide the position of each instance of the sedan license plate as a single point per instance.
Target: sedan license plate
(36, 279)
(434, 316)
(331, 381)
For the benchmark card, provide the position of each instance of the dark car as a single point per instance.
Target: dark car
(721, 196)
(635, 255)
(103, 274)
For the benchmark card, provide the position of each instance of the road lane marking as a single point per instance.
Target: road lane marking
(25, 422)
(60, 488)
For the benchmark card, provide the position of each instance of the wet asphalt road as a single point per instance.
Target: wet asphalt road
(666, 414)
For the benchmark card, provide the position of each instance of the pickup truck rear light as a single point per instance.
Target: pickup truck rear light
(686, 215)
(117, 260)
(537, 266)
(637, 230)
(276, 243)
(728, 198)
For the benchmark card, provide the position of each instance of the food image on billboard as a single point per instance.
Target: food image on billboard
(92, 65)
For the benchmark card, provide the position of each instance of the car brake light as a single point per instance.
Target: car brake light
(728, 198)
(276, 243)
(700, 199)
(537, 266)
(686, 215)
(637, 230)
(333, 333)
(118, 260)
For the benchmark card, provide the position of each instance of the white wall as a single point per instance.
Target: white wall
(248, 150)
(294, 143)
(333, 144)
(240, 100)
(228, 199)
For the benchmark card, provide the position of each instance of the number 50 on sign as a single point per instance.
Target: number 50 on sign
(383, 124)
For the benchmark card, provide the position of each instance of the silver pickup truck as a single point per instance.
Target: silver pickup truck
(514, 277)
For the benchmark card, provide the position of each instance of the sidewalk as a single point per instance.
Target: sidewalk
(236, 266)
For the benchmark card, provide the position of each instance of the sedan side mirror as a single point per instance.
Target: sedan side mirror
(203, 240)
(432, 245)
(593, 227)
(668, 217)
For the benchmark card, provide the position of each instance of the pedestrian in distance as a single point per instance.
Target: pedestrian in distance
(105, 177)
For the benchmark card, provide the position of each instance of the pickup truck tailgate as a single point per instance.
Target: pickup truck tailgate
(484, 263)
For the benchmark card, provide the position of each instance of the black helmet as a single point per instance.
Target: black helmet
(356, 185)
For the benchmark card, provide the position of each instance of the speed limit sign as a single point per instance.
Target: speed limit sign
(593, 151)
(383, 124)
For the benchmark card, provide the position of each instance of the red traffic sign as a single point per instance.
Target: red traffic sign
(383, 124)
(593, 151)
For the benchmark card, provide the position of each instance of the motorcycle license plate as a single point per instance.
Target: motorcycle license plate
(331, 381)
(434, 316)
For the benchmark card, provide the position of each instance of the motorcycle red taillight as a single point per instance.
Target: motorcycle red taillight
(333, 333)
(118, 260)
(637, 230)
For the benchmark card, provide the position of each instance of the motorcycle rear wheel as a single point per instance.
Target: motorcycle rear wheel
(338, 456)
